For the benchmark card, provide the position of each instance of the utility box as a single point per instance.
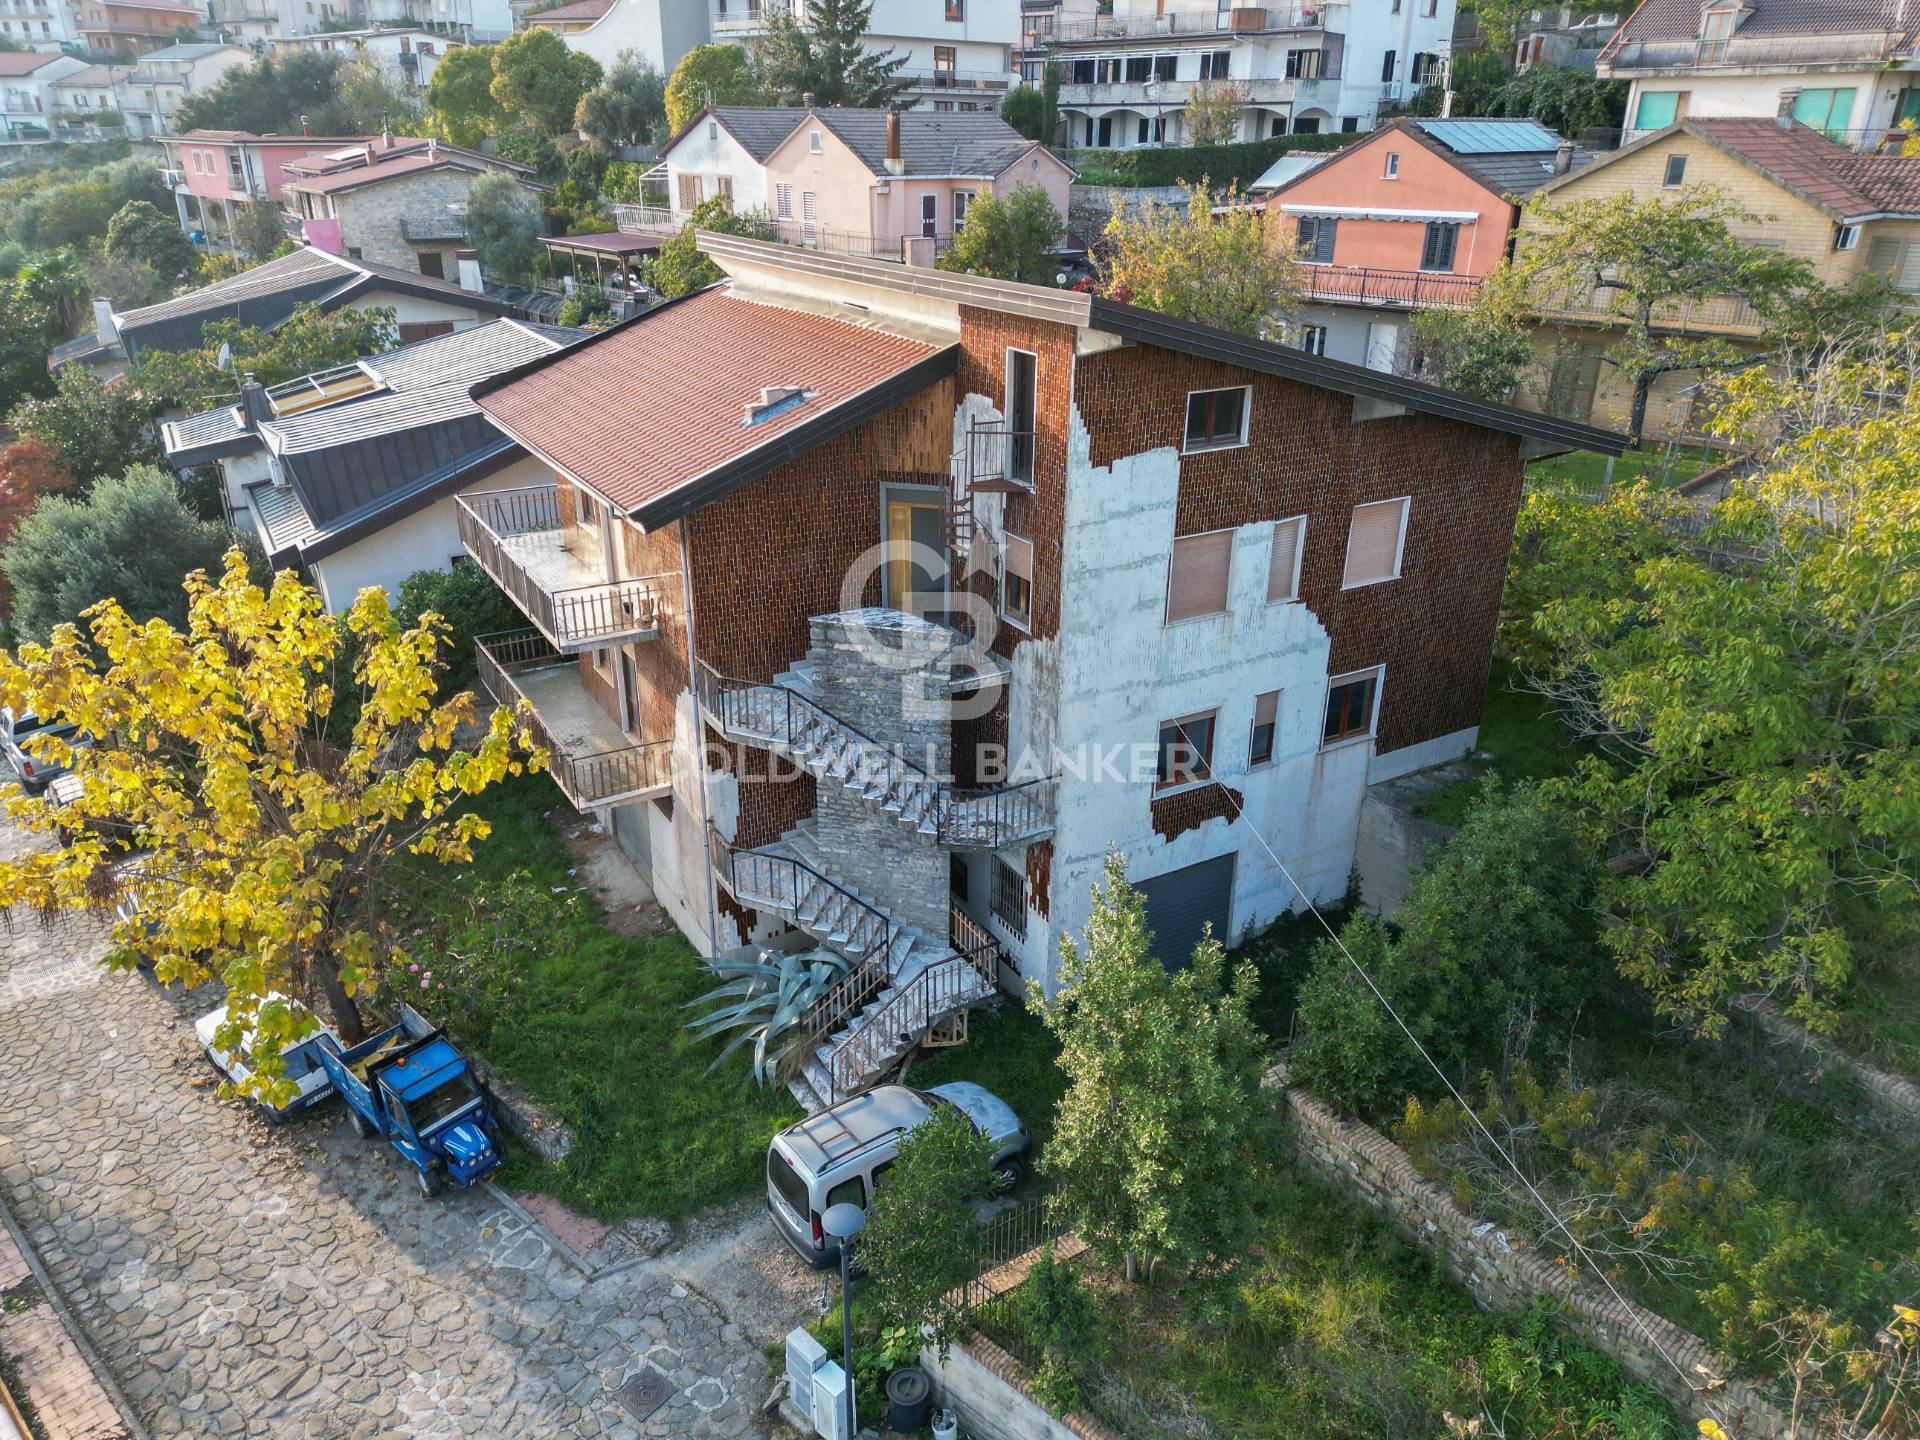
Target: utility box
(830, 1403)
(805, 1355)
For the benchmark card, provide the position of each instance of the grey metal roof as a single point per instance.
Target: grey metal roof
(758, 128)
(300, 270)
(973, 143)
(282, 521)
(1490, 137)
(1519, 175)
(461, 358)
(207, 436)
(83, 348)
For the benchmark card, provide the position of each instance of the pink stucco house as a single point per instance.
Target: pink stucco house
(212, 171)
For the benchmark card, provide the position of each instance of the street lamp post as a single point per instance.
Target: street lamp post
(843, 1222)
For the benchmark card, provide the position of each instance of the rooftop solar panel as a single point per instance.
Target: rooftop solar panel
(1490, 137)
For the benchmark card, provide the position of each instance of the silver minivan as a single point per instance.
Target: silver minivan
(839, 1155)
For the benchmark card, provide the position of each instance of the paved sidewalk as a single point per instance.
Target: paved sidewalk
(245, 1281)
(58, 1382)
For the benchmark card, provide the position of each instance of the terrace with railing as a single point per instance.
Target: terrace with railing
(1405, 289)
(1692, 53)
(594, 762)
(1237, 20)
(556, 571)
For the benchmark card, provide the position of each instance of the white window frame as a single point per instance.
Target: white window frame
(1405, 502)
(1847, 237)
(1273, 741)
(1207, 447)
(1667, 179)
(1379, 673)
(814, 144)
(1025, 627)
(1299, 558)
(1312, 340)
(783, 200)
(1393, 166)
(1226, 604)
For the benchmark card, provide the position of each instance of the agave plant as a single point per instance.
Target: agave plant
(762, 998)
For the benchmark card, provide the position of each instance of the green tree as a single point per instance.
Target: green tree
(629, 107)
(132, 537)
(539, 80)
(309, 340)
(469, 603)
(461, 107)
(270, 97)
(372, 100)
(1481, 349)
(140, 232)
(93, 428)
(58, 286)
(535, 151)
(128, 284)
(1640, 258)
(25, 332)
(1025, 109)
(1050, 92)
(258, 230)
(1008, 239)
(74, 214)
(915, 1246)
(505, 220)
(1158, 1138)
(820, 53)
(269, 845)
(1226, 271)
(1349, 1050)
(678, 266)
(709, 75)
(1212, 114)
(1752, 689)
(1059, 1317)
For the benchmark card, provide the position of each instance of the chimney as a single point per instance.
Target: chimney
(895, 165)
(1783, 117)
(386, 136)
(253, 403)
(104, 330)
(1563, 157)
(469, 263)
(806, 99)
(305, 128)
(433, 151)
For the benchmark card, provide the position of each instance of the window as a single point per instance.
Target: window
(1105, 142)
(809, 208)
(813, 141)
(1827, 110)
(1716, 35)
(1658, 109)
(847, 1192)
(1303, 64)
(586, 508)
(689, 187)
(957, 883)
(1139, 69)
(1022, 411)
(1386, 67)
(433, 263)
(1443, 237)
(1217, 419)
(1165, 67)
(783, 201)
(1215, 64)
(1266, 715)
(956, 10)
(1082, 72)
(723, 187)
(1186, 751)
(1352, 701)
(1312, 339)
(1283, 564)
(1425, 66)
(1676, 174)
(1016, 582)
(1108, 69)
(1393, 165)
(1197, 575)
(961, 199)
(1846, 237)
(1315, 234)
(1008, 900)
(1375, 539)
(1349, 124)
(1429, 8)
(943, 65)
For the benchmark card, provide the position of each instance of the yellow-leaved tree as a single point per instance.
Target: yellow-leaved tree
(268, 768)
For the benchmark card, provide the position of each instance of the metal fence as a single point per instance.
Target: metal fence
(1412, 288)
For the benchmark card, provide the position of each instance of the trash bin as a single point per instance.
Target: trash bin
(909, 1396)
(945, 1426)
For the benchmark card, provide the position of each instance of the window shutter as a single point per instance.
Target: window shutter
(1266, 707)
(1373, 542)
(689, 191)
(1283, 569)
(1323, 235)
(1198, 584)
(783, 200)
(725, 182)
(809, 206)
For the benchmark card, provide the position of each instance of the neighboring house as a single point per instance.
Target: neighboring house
(28, 101)
(864, 181)
(212, 171)
(167, 75)
(958, 54)
(392, 202)
(86, 103)
(258, 23)
(350, 474)
(1844, 212)
(1559, 37)
(45, 25)
(1215, 588)
(406, 56)
(133, 27)
(1845, 67)
(268, 294)
(1127, 76)
(478, 22)
(1415, 215)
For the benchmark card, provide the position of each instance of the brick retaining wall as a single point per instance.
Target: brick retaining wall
(1893, 1095)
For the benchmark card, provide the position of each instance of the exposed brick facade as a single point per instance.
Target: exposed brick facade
(1174, 815)
(1433, 627)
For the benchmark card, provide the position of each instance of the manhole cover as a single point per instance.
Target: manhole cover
(645, 1393)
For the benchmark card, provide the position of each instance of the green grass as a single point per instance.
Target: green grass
(1521, 738)
(1014, 1056)
(594, 1028)
(1881, 1015)
(1587, 472)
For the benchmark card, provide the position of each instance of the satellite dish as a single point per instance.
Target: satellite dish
(224, 360)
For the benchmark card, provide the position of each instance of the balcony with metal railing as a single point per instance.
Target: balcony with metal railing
(1865, 50)
(1174, 94)
(945, 80)
(520, 538)
(594, 762)
(1727, 315)
(1234, 20)
(1392, 289)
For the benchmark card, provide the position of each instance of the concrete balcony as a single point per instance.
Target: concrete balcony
(518, 537)
(1388, 289)
(1152, 95)
(1238, 20)
(943, 81)
(594, 762)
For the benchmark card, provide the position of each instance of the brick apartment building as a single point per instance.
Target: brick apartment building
(793, 603)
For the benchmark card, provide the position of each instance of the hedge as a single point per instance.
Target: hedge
(1219, 165)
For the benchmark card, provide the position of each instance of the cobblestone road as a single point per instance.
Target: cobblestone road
(295, 1283)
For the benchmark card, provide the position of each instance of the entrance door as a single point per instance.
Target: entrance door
(1180, 903)
(1022, 406)
(1383, 345)
(929, 216)
(629, 691)
(916, 534)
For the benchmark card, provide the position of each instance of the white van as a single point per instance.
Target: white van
(837, 1156)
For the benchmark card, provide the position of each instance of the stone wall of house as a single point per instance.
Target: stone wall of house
(370, 218)
(1503, 1272)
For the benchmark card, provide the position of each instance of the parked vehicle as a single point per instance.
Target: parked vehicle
(116, 831)
(303, 1065)
(836, 1156)
(409, 1084)
(16, 732)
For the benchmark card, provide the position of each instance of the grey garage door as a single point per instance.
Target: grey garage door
(630, 829)
(1181, 902)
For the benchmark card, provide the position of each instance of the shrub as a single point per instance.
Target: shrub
(471, 604)
(1060, 1320)
(1218, 166)
(1351, 1052)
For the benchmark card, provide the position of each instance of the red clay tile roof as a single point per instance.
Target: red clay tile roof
(23, 62)
(658, 402)
(1806, 162)
(1892, 182)
(579, 10)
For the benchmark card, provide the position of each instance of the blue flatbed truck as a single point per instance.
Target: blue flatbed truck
(409, 1084)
